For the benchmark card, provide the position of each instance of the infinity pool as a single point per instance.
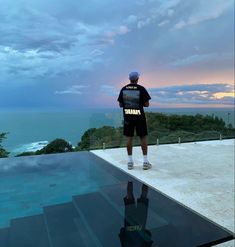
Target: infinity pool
(78, 199)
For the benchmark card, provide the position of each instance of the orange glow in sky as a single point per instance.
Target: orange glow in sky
(222, 95)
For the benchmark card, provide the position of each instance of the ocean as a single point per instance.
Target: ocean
(32, 130)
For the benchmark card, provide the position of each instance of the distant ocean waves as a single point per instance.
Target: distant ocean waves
(30, 147)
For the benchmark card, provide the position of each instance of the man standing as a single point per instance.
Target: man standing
(133, 98)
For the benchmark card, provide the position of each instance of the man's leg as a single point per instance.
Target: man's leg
(129, 152)
(142, 132)
(129, 145)
(130, 208)
(128, 131)
(142, 206)
(144, 146)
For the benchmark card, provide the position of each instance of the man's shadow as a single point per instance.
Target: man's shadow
(134, 232)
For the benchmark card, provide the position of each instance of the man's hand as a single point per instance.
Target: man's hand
(146, 104)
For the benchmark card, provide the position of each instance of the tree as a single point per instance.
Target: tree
(95, 137)
(3, 152)
(56, 146)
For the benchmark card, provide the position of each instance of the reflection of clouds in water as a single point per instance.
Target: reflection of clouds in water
(29, 164)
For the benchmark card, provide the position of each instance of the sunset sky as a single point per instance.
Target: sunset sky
(76, 54)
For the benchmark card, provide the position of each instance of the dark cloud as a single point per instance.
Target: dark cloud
(71, 41)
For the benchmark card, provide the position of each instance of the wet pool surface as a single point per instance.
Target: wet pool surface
(78, 199)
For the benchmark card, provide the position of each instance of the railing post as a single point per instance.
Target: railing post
(103, 145)
(157, 141)
(220, 137)
(179, 140)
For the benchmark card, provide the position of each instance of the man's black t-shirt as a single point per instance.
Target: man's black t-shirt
(132, 97)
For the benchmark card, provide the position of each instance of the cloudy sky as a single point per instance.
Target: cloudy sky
(73, 54)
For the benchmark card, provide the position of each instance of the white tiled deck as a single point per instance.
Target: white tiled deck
(199, 175)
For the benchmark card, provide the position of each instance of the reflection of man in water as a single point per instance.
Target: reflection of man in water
(134, 233)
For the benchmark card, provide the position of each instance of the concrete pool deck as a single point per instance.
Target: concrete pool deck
(199, 175)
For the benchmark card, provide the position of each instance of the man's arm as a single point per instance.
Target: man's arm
(145, 97)
(146, 104)
(120, 99)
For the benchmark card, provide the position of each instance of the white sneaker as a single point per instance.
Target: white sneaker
(146, 166)
(130, 165)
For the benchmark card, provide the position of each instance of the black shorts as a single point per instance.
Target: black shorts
(132, 124)
(136, 214)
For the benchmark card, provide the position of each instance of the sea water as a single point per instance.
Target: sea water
(32, 130)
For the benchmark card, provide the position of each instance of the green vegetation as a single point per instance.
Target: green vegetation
(162, 127)
(56, 146)
(94, 138)
(168, 128)
(3, 152)
(26, 154)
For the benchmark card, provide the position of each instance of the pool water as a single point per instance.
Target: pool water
(78, 199)
(27, 184)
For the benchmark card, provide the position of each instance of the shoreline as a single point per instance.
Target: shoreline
(24, 134)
